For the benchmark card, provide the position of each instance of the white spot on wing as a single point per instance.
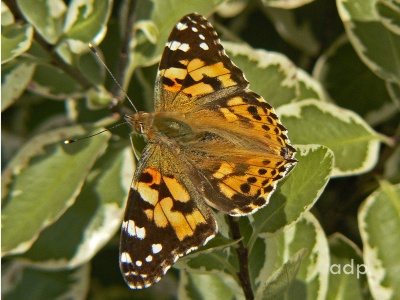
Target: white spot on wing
(173, 45)
(202, 36)
(140, 232)
(126, 258)
(194, 29)
(155, 248)
(181, 26)
(149, 258)
(131, 228)
(138, 263)
(184, 47)
(204, 46)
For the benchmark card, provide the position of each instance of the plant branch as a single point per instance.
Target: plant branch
(242, 252)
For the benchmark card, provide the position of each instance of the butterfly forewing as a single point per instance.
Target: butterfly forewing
(211, 142)
(194, 66)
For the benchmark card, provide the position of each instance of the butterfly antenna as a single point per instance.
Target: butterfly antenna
(112, 76)
(66, 142)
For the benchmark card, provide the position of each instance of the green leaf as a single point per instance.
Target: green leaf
(295, 28)
(394, 91)
(54, 83)
(46, 16)
(205, 286)
(25, 282)
(347, 279)
(15, 78)
(93, 219)
(41, 182)
(354, 143)
(377, 46)
(309, 87)
(282, 278)
(86, 20)
(287, 4)
(271, 75)
(389, 12)
(7, 18)
(212, 258)
(296, 194)
(15, 40)
(352, 85)
(312, 278)
(379, 224)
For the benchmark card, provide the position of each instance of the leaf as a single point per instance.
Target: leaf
(93, 219)
(389, 12)
(41, 182)
(14, 80)
(295, 28)
(354, 143)
(212, 258)
(347, 278)
(86, 20)
(7, 18)
(287, 4)
(15, 40)
(22, 281)
(352, 85)
(297, 193)
(379, 224)
(205, 286)
(309, 87)
(377, 46)
(46, 16)
(54, 83)
(270, 74)
(312, 278)
(282, 278)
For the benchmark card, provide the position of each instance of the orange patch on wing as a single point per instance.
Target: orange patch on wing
(177, 190)
(159, 216)
(199, 89)
(195, 64)
(230, 116)
(176, 219)
(226, 190)
(214, 70)
(223, 170)
(226, 80)
(195, 218)
(145, 190)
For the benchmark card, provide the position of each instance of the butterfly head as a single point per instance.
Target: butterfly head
(141, 122)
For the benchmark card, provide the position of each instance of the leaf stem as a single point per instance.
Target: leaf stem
(242, 252)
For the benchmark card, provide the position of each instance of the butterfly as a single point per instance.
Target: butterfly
(211, 143)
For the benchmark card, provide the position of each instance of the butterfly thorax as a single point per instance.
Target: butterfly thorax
(156, 126)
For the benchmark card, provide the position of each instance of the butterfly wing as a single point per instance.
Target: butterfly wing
(242, 151)
(194, 67)
(164, 219)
